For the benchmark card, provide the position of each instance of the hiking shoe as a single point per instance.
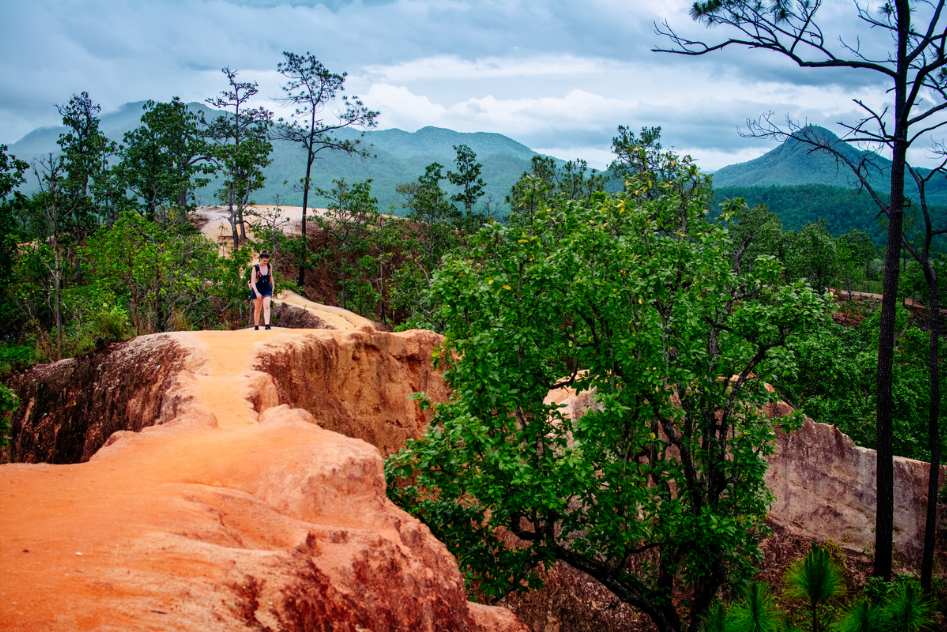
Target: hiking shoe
(256, 328)
(267, 328)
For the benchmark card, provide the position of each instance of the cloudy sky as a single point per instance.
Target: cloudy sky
(557, 75)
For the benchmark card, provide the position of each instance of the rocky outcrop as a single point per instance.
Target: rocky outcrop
(824, 488)
(68, 409)
(234, 510)
(358, 384)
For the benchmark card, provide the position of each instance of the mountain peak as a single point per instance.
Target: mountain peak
(798, 160)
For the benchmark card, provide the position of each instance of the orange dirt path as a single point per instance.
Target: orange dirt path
(71, 533)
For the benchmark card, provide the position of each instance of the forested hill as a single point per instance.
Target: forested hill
(794, 163)
(842, 209)
(398, 157)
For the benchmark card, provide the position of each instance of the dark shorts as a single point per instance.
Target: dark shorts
(264, 292)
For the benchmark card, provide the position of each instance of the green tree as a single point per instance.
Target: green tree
(756, 233)
(243, 147)
(167, 158)
(158, 269)
(573, 183)
(815, 578)
(637, 302)
(310, 89)
(863, 616)
(12, 176)
(911, 65)
(909, 609)
(533, 191)
(433, 220)
(85, 154)
(813, 255)
(352, 212)
(640, 154)
(855, 252)
(430, 207)
(467, 177)
(716, 619)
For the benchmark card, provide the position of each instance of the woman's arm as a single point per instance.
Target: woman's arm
(253, 280)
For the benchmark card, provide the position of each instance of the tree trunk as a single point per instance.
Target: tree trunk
(381, 284)
(57, 299)
(933, 434)
(305, 242)
(343, 283)
(884, 410)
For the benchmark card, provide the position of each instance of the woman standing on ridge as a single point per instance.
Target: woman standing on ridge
(261, 290)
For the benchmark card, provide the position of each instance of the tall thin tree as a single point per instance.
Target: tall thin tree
(913, 67)
(309, 89)
(243, 146)
(924, 258)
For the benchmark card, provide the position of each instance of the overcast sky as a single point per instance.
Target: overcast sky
(558, 76)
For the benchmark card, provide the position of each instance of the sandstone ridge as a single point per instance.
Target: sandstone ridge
(217, 501)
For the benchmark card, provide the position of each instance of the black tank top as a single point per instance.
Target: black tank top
(263, 280)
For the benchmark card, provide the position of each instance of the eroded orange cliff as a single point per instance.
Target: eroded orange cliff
(235, 511)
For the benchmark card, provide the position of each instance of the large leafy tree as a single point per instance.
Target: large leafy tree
(243, 147)
(638, 300)
(912, 66)
(167, 157)
(157, 269)
(812, 253)
(310, 89)
(85, 152)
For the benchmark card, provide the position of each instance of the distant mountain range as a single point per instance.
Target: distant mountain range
(798, 184)
(398, 157)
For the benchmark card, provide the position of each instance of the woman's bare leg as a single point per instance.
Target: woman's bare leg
(266, 310)
(257, 305)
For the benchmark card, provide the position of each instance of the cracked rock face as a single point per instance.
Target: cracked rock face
(824, 488)
(237, 510)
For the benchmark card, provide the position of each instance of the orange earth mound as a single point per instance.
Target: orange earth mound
(240, 512)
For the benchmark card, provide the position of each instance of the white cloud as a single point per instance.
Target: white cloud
(560, 74)
(451, 67)
(576, 110)
(597, 157)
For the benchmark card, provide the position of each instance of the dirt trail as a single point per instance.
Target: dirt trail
(222, 381)
(89, 520)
